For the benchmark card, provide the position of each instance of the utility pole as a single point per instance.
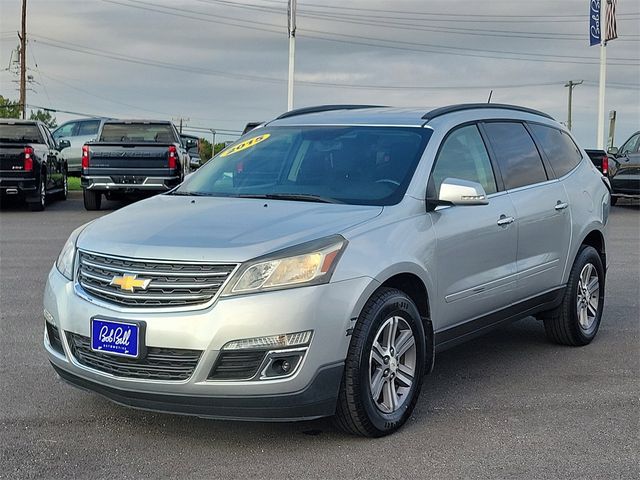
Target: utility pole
(291, 22)
(571, 84)
(23, 61)
(180, 120)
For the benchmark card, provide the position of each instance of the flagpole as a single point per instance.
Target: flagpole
(292, 51)
(603, 77)
(601, 91)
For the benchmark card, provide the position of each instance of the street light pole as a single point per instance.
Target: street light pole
(291, 21)
(571, 84)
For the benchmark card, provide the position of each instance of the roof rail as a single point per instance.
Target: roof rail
(323, 108)
(471, 106)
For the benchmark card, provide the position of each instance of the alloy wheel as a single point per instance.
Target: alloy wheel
(588, 297)
(392, 364)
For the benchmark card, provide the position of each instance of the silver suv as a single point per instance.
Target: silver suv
(317, 265)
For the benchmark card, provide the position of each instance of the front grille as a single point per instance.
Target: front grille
(158, 364)
(54, 337)
(237, 365)
(171, 284)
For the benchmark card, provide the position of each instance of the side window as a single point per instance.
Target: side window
(50, 139)
(463, 155)
(89, 127)
(66, 130)
(517, 155)
(631, 146)
(563, 154)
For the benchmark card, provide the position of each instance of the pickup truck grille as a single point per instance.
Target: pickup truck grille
(158, 364)
(156, 283)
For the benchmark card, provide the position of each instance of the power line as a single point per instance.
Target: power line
(429, 47)
(148, 62)
(389, 14)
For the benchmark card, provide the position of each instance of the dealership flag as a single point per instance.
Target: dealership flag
(594, 22)
(610, 30)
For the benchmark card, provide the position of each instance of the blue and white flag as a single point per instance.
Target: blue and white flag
(594, 22)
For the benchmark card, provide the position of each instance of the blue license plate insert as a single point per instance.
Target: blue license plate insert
(115, 337)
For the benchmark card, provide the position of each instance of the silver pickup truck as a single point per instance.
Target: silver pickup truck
(132, 157)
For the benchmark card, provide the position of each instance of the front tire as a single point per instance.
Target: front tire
(384, 368)
(576, 321)
(92, 200)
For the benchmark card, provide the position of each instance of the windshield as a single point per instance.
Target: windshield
(137, 132)
(355, 165)
(20, 133)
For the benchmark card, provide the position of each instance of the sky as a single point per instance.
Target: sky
(222, 63)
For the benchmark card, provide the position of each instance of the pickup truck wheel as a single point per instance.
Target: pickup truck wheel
(39, 204)
(614, 200)
(65, 188)
(576, 321)
(92, 200)
(384, 368)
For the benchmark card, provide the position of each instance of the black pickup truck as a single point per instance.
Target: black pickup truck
(31, 165)
(132, 157)
(622, 168)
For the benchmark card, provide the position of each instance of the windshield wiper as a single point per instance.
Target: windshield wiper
(191, 194)
(302, 197)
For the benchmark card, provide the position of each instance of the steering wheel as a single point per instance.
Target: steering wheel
(388, 180)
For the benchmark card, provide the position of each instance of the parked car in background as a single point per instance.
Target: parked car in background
(250, 126)
(132, 157)
(77, 133)
(600, 160)
(624, 169)
(319, 263)
(192, 144)
(31, 165)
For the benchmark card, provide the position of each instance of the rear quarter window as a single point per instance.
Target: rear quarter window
(516, 153)
(562, 152)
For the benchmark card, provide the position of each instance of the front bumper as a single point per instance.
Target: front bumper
(107, 183)
(310, 392)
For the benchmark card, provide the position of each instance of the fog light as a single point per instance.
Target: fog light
(273, 342)
(282, 366)
(48, 317)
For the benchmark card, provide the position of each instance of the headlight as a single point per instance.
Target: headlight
(307, 264)
(64, 263)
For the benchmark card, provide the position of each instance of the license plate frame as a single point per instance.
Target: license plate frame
(112, 341)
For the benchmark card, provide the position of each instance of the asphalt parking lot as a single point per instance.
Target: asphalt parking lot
(507, 405)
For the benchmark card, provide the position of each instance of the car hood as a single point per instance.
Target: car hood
(216, 229)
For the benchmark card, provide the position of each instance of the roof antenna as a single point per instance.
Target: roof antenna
(489, 99)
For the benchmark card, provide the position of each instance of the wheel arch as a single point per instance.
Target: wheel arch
(596, 239)
(415, 288)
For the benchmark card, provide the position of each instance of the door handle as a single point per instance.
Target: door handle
(561, 205)
(504, 220)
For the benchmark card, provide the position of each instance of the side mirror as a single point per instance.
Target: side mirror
(62, 144)
(612, 150)
(455, 191)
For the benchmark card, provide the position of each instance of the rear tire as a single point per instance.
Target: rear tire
(92, 200)
(65, 188)
(384, 367)
(39, 204)
(576, 321)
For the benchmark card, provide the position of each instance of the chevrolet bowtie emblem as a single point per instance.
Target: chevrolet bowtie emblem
(130, 282)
